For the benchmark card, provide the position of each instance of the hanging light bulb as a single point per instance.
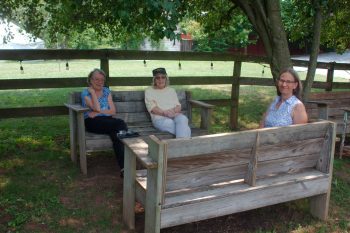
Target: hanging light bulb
(211, 65)
(263, 71)
(67, 65)
(179, 65)
(144, 63)
(21, 67)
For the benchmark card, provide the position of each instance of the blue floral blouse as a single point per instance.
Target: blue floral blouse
(283, 115)
(103, 100)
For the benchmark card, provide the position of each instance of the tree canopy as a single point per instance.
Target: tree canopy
(123, 21)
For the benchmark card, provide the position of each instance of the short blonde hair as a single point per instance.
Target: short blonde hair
(167, 81)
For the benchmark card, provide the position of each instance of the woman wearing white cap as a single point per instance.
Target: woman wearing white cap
(164, 106)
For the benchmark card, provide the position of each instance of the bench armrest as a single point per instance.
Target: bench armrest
(345, 109)
(201, 104)
(206, 112)
(140, 149)
(76, 107)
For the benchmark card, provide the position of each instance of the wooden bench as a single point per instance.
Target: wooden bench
(331, 106)
(131, 108)
(203, 177)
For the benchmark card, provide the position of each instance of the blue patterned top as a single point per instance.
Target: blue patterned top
(103, 100)
(283, 115)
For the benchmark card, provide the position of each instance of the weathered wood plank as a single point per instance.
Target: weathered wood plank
(155, 182)
(243, 201)
(240, 140)
(250, 177)
(227, 158)
(196, 179)
(139, 148)
(129, 187)
(188, 196)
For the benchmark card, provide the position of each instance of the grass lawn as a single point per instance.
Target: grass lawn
(41, 190)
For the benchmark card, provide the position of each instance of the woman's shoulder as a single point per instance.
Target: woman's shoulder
(85, 92)
(149, 89)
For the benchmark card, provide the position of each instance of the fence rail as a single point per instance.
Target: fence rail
(105, 55)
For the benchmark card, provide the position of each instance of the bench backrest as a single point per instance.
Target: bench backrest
(248, 155)
(335, 101)
(131, 107)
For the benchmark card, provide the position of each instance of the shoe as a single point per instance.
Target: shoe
(122, 173)
(127, 134)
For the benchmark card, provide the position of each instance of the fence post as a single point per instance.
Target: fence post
(235, 95)
(104, 65)
(330, 76)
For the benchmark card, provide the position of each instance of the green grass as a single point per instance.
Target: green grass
(41, 190)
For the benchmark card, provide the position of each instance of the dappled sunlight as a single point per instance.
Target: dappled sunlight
(30, 143)
(11, 163)
(72, 222)
(4, 181)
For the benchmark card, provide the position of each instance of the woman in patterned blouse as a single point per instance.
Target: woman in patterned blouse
(286, 108)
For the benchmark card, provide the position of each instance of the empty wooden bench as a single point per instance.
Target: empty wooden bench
(333, 106)
(329, 106)
(131, 108)
(203, 177)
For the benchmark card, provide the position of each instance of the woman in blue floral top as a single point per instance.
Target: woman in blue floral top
(286, 108)
(100, 118)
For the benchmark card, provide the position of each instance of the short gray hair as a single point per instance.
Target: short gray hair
(94, 71)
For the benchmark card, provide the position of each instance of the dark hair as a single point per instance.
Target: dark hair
(91, 74)
(298, 89)
(159, 70)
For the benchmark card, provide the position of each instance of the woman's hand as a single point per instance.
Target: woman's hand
(171, 113)
(91, 91)
(92, 114)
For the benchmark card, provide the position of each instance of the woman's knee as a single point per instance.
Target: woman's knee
(181, 119)
(165, 124)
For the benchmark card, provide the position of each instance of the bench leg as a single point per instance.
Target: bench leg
(152, 205)
(73, 135)
(129, 189)
(82, 145)
(319, 206)
(343, 134)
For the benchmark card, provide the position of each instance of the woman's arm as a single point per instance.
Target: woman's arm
(299, 114)
(93, 102)
(158, 111)
(112, 110)
(262, 122)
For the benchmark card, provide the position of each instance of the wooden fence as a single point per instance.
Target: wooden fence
(105, 55)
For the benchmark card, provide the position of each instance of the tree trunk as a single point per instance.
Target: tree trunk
(314, 51)
(266, 18)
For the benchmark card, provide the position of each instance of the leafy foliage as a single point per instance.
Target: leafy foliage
(298, 21)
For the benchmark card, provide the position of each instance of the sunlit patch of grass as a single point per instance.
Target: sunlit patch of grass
(4, 181)
(11, 163)
(30, 143)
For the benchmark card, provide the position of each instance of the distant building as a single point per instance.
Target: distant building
(184, 44)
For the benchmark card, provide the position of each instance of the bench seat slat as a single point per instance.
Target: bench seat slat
(266, 192)
(182, 197)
